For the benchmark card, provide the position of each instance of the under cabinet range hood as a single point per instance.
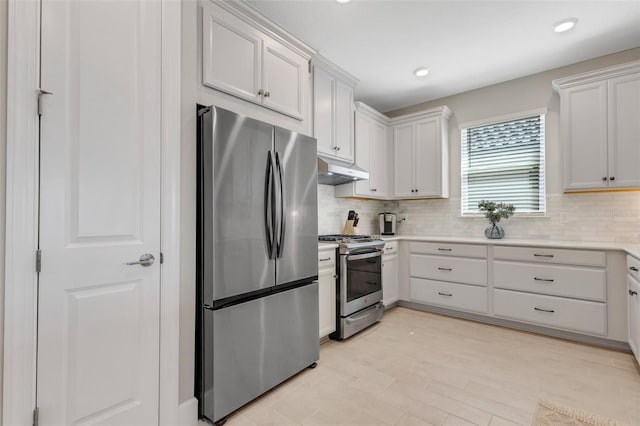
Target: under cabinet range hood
(332, 173)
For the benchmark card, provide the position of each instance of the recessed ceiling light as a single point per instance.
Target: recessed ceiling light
(343, 1)
(565, 25)
(421, 72)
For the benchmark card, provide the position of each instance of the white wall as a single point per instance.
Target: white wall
(602, 216)
(3, 144)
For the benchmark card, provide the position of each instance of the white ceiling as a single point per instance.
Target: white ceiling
(466, 44)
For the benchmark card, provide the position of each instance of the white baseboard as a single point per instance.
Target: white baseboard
(188, 413)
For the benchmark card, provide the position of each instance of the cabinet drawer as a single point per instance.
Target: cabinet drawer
(557, 312)
(568, 281)
(633, 267)
(453, 269)
(391, 247)
(326, 258)
(450, 295)
(551, 255)
(444, 249)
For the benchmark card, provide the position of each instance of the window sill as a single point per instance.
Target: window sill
(516, 216)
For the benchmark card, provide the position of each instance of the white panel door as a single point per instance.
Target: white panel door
(428, 158)
(323, 84)
(327, 301)
(389, 280)
(344, 121)
(404, 161)
(377, 160)
(624, 131)
(98, 319)
(285, 74)
(363, 149)
(584, 136)
(231, 54)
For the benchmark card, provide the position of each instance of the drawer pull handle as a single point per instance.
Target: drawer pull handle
(372, 283)
(544, 310)
(542, 255)
(445, 269)
(443, 249)
(633, 268)
(632, 293)
(445, 294)
(389, 248)
(543, 279)
(324, 260)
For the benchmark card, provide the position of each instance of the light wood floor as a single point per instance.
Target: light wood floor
(416, 368)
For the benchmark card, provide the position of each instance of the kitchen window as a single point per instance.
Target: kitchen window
(503, 161)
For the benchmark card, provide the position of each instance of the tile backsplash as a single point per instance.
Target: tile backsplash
(603, 216)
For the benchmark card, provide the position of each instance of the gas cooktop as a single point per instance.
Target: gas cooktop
(350, 243)
(342, 237)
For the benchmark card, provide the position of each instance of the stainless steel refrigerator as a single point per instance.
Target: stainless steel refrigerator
(257, 259)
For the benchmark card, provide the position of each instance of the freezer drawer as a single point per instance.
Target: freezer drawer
(251, 347)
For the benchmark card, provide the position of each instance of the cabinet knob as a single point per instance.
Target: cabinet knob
(260, 92)
(604, 178)
(337, 148)
(632, 293)
(612, 178)
(373, 190)
(267, 94)
(633, 268)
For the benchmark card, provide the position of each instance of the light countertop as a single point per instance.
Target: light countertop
(632, 249)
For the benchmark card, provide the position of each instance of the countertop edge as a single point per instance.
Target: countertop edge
(631, 249)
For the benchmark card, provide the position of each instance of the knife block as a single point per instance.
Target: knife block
(348, 228)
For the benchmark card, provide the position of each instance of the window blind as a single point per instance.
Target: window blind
(504, 162)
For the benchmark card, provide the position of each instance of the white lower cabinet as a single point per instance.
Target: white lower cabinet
(327, 291)
(633, 291)
(451, 295)
(389, 278)
(564, 289)
(558, 312)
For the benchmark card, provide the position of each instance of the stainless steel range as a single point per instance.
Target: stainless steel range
(359, 292)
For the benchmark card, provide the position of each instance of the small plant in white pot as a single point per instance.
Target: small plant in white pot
(494, 212)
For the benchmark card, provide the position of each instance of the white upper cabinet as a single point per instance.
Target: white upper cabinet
(421, 154)
(243, 58)
(333, 120)
(600, 128)
(371, 147)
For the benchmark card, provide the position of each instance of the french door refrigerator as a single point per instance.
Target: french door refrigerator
(257, 259)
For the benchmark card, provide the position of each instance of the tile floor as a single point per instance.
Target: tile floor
(416, 368)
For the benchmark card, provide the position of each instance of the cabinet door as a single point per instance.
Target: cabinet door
(403, 161)
(634, 316)
(323, 101)
(389, 280)
(584, 136)
(377, 160)
(231, 54)
(344, 121)
(363, 151)
(285, 77)
(327, 301)
(428, 158)
(624, 131)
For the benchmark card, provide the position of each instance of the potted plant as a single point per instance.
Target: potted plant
(494, 212)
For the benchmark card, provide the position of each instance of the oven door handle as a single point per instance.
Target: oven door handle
(364, 256)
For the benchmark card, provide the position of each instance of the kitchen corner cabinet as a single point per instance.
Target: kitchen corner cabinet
(242, 60)
(371, 141)
(327, 291)
(333, 119)
(421, 154)
(600, 128)
(633, 277)
(390, 274)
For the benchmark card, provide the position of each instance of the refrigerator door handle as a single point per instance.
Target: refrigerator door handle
(269, 207)
(283, 216)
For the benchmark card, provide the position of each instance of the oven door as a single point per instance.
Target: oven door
(360, 280)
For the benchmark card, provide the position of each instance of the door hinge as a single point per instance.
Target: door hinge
(38, 261)
(41, 92)
(35, 416)
(161, 258)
